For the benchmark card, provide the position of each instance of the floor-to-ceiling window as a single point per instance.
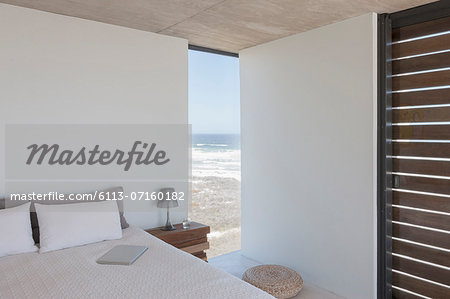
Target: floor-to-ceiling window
(214, 112)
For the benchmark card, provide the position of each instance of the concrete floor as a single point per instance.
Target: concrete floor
(236, 264)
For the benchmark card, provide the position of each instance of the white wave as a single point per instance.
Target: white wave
(210, 144)
(200, 154)
(225, 164)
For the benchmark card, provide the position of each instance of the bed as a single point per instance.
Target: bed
(161, 272)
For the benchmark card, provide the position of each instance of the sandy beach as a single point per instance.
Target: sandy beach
(216, 201)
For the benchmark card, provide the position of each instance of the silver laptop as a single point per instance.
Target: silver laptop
(122, 255)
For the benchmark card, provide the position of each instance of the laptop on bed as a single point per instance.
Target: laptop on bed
(122, 255)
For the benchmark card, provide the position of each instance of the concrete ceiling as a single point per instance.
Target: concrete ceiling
(228, 25)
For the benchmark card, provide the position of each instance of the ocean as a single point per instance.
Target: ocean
(216, 189)
(217, 155)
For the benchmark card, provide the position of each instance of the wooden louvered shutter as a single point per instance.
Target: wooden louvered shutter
(421, 160)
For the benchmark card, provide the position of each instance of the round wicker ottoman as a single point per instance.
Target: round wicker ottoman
(278, 281)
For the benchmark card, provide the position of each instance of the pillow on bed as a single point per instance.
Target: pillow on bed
(69, 225)
(114, 193)
(15, 231)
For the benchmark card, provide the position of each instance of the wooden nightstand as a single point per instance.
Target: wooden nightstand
(193, 240)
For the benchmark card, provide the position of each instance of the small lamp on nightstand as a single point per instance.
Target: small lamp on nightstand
(167, 202)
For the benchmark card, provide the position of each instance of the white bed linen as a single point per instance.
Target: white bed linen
(161, 272)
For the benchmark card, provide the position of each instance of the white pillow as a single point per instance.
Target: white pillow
(16, 235)
(69, 225)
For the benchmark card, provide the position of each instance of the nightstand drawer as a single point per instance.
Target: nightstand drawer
(180, 236)
(193, 240)
(201, 255)
(190, 242)
(196, 248)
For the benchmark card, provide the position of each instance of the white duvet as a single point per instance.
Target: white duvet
(161, 272)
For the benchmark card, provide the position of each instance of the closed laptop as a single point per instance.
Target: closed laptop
(122, 255)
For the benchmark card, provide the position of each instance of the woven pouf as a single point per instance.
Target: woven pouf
(278, 281)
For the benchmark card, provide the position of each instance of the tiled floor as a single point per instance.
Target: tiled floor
(236, 264)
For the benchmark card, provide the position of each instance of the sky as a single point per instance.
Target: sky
(214, 103)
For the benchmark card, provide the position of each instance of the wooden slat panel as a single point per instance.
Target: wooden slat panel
(432, 185)
(426, 45)
(441, 168)
(421, 270)
(432, 79)
(423, 253)
(421, 115)
(437, 150)
(421, 63)
(421, 132)
(421, 29)
(421, 201)
(425, 236)
(399, 294)
(442, 114)
(424, 97)
(426, 219)
(419, 286)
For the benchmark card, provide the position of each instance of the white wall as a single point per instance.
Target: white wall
(61, 70)
(308, 107)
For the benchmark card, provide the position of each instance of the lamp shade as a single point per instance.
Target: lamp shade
(167, 201)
